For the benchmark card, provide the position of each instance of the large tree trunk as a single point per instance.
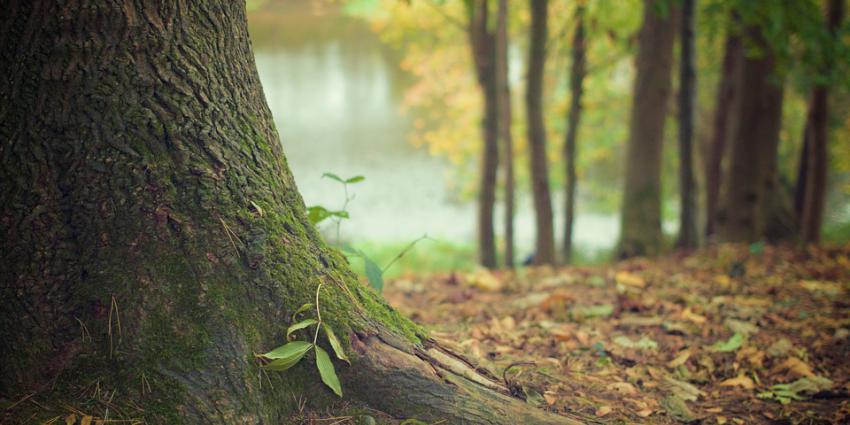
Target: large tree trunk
(577, 73)
(688, 237)
(154, 238)
(814, 164)
(724, 117)
(641, 209)
(752, 198)
(545, 245)
(483, 42)
(504, 104)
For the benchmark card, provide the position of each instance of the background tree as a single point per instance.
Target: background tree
(814, 163)
(504, 105)
(482, 39)
(641, 209)
(154, 238)
(724, 117)
(751, 177)
(545, 236)
(688, 236)
(577, 73)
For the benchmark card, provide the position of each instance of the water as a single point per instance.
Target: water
(335, 93)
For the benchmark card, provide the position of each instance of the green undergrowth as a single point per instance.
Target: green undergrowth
(438, 256)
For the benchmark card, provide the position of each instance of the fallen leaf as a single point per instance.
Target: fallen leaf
(733, 343)
(794, 368)
(680, 359)
(683, 390)
(779, 348)
(623, 388)
(689, 315)
(630, 279)
(742, 381)
(643, 344)
(603, 410)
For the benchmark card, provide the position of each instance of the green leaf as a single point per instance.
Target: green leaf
(300, 325)
(355, 179)
(326, 371)
(374, 274)
(333, 176)
(288, 350)
(732, 344)
(287, 355)
(316, 214)
(335, 344)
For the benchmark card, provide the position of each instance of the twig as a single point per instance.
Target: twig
(318, 314)
(404, 251)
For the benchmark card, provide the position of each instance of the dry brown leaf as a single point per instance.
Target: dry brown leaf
(603, 410)
(643, 413)
(630, 279)
(794, 368)
(550, 397)
(687, 314)
(742, 381)
(86, 420)
(623, 388)
(680, 359)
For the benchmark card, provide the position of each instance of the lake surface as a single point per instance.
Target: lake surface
(335, 92)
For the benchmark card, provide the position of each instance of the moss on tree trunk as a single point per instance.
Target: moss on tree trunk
(154, 238)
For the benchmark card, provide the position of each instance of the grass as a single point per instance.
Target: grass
(436, 256)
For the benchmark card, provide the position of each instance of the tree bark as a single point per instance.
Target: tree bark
(688, 236)
(577, 73)
(724, 117)
(545, 236)
(504, 105)
(154, 238)
(641, 209)
(751, 195)
(483, 42)
(814, 164)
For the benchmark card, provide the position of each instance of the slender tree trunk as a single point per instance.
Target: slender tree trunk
(751, 191)
(724, 117)
(154, 238)
(577, 73)
(814, 164)
(504, 104)
(641, 209)
(483, 43)
(545, 246)
(688, 236)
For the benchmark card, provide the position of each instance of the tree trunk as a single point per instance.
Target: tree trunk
(688, 237)
(504, 105)
(545, 245)
(154, 238)
(724, 117)
(483, 43)
(814, 164)
(577, 73)
(641, 209)
(751, 192)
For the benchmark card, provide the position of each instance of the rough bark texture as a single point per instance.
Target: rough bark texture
(724, 118)
(483, 42)
(504, 104)
(545, 236)
(154, 238)
(814, 164)
(577, 73)
(688, 236)
(751, 193)
(641, 215)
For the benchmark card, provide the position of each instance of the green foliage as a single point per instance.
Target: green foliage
(288, 355)
(326, 371)
(732, 344)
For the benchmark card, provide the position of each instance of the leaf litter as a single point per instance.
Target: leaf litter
(728, 335)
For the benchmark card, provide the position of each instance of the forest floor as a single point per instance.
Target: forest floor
(730, 335)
